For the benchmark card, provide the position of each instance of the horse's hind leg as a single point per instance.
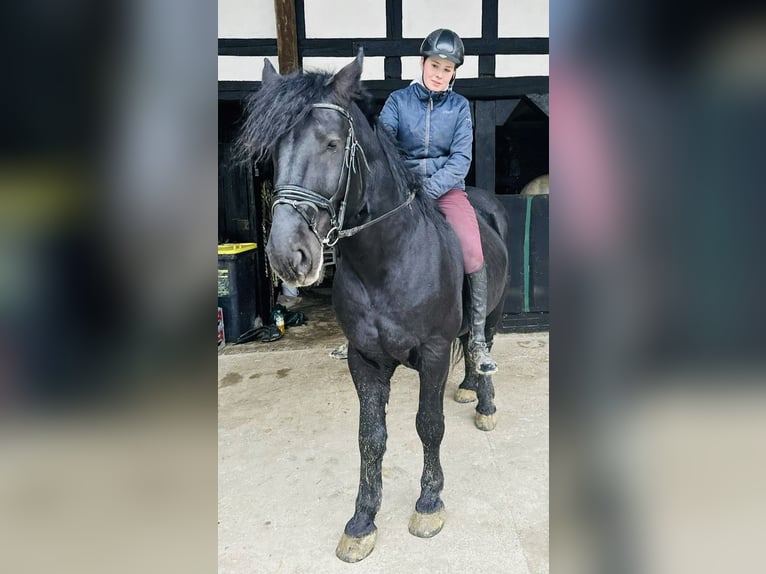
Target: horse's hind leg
(466, 392)
(428, 518)
(476, 386)
(372, 384)
(485, 408)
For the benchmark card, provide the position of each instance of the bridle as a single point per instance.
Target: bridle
(300, 198)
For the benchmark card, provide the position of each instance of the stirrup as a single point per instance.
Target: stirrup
(484, 364)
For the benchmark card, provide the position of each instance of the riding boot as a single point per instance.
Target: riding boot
(477, 343)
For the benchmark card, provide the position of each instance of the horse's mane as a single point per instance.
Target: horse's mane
(280, 105)
(275, 109)
(403, 177)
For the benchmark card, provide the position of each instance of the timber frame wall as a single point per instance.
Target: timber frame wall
(486, 86)
(492, 99)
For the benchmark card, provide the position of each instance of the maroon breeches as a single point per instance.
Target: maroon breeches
(461, 216)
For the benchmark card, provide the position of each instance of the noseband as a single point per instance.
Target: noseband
(300, 198)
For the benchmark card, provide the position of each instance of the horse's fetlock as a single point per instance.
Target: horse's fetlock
(429, 504)
(359, 526)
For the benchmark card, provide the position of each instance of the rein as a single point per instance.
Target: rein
(299, 197)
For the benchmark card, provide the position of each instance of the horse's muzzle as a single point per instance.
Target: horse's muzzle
(294, 252)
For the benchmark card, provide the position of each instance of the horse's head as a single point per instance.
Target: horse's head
(316, 163)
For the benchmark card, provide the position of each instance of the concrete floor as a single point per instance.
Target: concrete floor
(288, 461)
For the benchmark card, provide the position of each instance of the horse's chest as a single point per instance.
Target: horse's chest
(399, 312)
(378, 323)
(379, 317)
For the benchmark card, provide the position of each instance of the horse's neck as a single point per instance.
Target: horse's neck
(383, 193)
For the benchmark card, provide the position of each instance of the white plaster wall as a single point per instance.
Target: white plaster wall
(373, 66)
(507, 65)
(367, 18)
(243, 68)
(246, 19)
(419, 17)
(345, 18)
(522, 19)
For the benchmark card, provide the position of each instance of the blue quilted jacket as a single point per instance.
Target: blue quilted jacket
(435, 131)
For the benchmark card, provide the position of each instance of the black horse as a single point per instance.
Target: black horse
(398, 287)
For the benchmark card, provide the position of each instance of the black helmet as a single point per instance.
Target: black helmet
(443, 43)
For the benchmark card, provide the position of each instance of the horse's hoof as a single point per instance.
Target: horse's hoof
(426, 525)
(352, 549)
(486, 422)
(465, 395)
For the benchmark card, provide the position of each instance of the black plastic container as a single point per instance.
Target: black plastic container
(237, 288)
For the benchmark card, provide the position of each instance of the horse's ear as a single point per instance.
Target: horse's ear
(346, 82)
(269, 73)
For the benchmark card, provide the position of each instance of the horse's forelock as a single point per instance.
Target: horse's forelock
(282, 103)
(276, 108)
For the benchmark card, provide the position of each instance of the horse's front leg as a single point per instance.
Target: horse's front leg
(372, 382)
(428, 518)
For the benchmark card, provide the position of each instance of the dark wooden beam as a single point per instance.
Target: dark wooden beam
(411, 47)
(503, 109)
(375, 46)
(392, 66)
(471, 88)
(247, 47)
(484, 140)
(300, 26)
(287, 37)
(488, 32)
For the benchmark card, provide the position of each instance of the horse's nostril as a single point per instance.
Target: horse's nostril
(302, 261)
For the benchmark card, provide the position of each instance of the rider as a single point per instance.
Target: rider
(433, 126)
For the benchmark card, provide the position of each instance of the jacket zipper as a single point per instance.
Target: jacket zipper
(429, 109)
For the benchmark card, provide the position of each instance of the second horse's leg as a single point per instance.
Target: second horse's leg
(485, 408)
(466, 392)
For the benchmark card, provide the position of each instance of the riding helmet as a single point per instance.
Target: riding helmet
(443, 43)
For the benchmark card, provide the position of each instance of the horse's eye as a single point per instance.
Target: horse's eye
(333, 145)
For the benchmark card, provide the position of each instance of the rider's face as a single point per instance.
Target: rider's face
(437, 73)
